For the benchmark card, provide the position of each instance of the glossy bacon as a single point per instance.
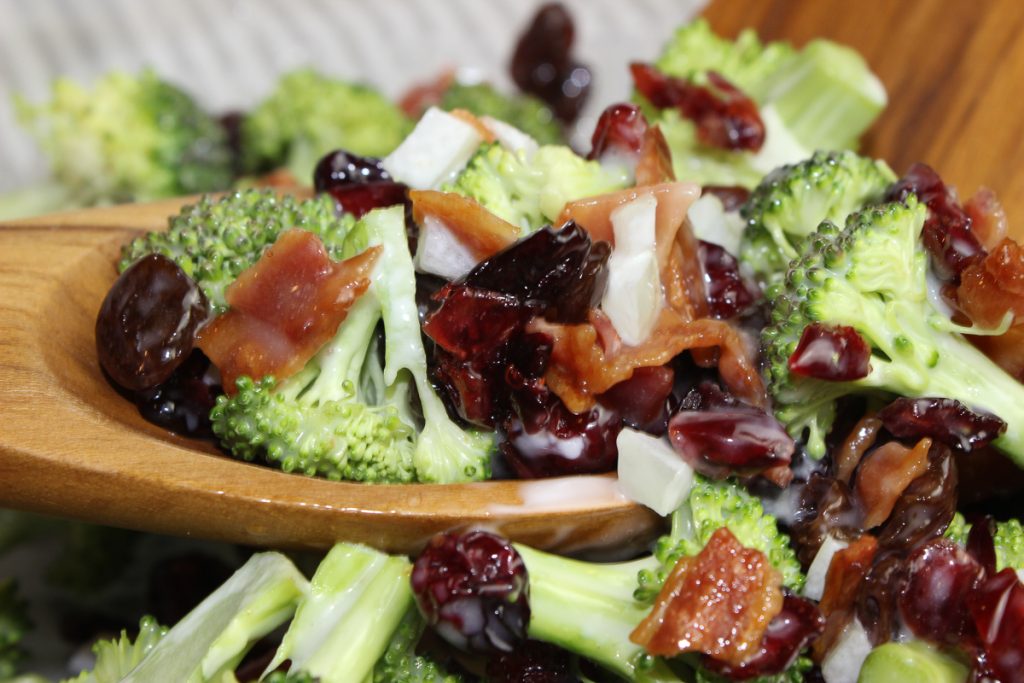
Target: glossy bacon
(580, 368)
(885, 474)
(988, 219)
(284, 308)
(719, 603)
(655, 163)
(476, 228)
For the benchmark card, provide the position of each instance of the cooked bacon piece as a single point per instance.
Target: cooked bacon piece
(845, 574)
(479, 230)
(469, 117)
(857, 442)
(655, 163)
(421, 97)
(885, 473)
(580, 368)
(284, 308)
(988, 219)
(988, 290)
(719, 602)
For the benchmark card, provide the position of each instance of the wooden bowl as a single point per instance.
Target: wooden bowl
(70, 445)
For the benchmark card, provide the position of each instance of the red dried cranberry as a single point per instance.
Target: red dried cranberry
(792, 629)
(532, 662)
(471, 322)
(543, 66)
(731, 196)
(833, 353)
(473, 589)
(997, 607)
(359, 200)
(934, 602)
(470, 388)
(708, 395)
(728, 292)
(944, 419)
(619, 132)
(725, 117)
(182, 403)
(725, 441)
(947, 231)
(146, 326)
(340, 170)
(642, 400)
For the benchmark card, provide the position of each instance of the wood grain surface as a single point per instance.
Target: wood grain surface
(954, 70)
(72, 446)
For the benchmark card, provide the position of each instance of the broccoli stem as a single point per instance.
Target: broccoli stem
(589, 609)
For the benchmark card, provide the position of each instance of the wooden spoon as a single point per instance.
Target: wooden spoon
(72, 446)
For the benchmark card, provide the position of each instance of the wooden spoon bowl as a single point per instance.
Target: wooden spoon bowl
(70, 445)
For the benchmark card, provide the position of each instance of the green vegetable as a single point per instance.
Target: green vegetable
(821, 97)
(911, 662)
(1008, 540)
(129, 138)
(789, 204)
(116, 658)
(525, 112)
(873, 276)
(532, 192)
(309, 114)
(401, 664)
(214, 240)
(590, 609)
(14, 623)
(345, 416)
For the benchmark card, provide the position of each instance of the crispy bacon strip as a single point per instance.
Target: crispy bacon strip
(284, 308)
(479, 230)
(580, 368)
(469, 117)
(655, 163)
(845, 574)
(885, 474)
(719, 602)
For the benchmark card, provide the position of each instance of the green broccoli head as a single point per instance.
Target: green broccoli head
(115, 658)
(525, 112)
(873, 276)
(214, 240)
(14, 623)
(791, 202)
(711, 505)
(401, 664)
(129, 138)
(532, 192)
(309, 114)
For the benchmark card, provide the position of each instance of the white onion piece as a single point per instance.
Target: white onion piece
(651, 472)
(439, 251)
(814, 587)
(712, 223)
(780, 146)
(843, 662)
(510, 137)
(434, 152)
(633, 296)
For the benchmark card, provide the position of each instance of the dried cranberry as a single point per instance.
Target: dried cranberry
(642, 400)
(619, 132)
(543, 66)
(725, 441)
(944, 419)
(947, 230)
(340, 170)
(708, 395)
(473, 589)
(728, 292)
(182, 403)
(833, 353)
(471, 322)
(731, 196)
(532, 662)
(799, 622)
(146, 326)
(725, 117)
(359, 200)
(934, 602)
(997, 607)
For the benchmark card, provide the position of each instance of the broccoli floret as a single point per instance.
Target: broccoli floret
(873, 276)
(214, 240)
(14, 623)
(590, 608)
(1008, 540)
(532, 192)
(116, 658)
(347, 416)
(129, 138)
(821, 97)
(792, 201)
(525, 112)
(309, 114)
(401, 664)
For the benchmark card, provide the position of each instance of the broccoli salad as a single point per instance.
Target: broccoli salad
(806, 363)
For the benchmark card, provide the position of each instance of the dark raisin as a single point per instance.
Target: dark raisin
(340, 170)
(833, 353)
(532, 662)
(147, 323)
(182, 403)
(473, 589)
(944, 419)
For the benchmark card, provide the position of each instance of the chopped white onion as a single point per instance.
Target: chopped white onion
(815, 584)
(651, 472)
(434, 152)
(712, 223)
(510, 137)
(843, 662)
(439, 251)
(780, 146)
(633, 296)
